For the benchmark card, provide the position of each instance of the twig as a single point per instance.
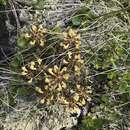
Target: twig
(15, 14)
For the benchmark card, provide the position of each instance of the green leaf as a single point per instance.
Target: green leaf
(21, 42)
(23, 91)
(83, 10)
(16, 61)
(98, 123)
(112, 75)
(76, 21)
(126, 77)
(3, 2)
(93, 124)
(123, 87)
(128, 60)
(105, 99)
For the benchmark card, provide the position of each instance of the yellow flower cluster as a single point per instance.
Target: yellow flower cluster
(80, 96)
(75, 60)
(77, 96)
(54, 83)
(36, 35)
(71, 39)
(31, 69)
(56, 77)
(71, 44)
(60, 81)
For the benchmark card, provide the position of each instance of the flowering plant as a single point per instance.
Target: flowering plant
(55, 71)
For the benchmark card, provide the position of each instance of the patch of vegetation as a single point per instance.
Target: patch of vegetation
(110, 71)
(3, 2)
(52, 65)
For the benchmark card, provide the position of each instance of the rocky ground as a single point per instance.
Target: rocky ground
(20, 117)
(27, 115)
